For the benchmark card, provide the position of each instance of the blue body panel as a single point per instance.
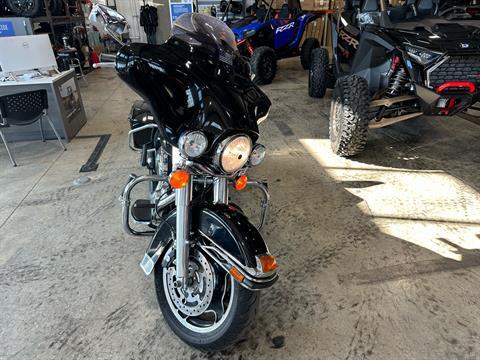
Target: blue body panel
(287, 32)
(239, 32)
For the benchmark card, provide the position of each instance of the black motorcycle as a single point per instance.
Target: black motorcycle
(196, 132)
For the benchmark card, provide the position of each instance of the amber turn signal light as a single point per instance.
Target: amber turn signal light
(237, 275)
(268, 263)
(241, 182)
(179, 179)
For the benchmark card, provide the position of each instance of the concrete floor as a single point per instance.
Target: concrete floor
(378, 255)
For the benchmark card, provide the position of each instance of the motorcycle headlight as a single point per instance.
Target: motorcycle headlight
(422, 56)
(233, 153)
(258, 154)
(193, 143)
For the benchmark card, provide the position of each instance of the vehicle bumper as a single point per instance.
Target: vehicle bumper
(447, 102)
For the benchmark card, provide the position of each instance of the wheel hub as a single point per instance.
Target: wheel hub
(195, 298)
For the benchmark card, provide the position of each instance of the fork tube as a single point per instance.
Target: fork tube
(183, 198)
(220, 190)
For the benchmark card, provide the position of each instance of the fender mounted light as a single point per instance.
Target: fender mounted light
(268, 263)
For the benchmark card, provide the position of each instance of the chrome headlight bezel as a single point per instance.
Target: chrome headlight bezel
(257, 155)
(185, 143)
(421, 55)
(223, 147)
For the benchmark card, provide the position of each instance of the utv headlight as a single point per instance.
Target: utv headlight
(422, 56)
(193, 143)
(233, 153)
(248, 33)
(258, 154)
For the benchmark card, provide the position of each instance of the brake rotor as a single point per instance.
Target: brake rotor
(197, 296)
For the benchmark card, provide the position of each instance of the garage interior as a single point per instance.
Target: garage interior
(378, 254)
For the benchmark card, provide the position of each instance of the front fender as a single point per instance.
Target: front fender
(224, 225)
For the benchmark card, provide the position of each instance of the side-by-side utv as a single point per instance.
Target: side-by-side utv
(267, 35)
(393, 64)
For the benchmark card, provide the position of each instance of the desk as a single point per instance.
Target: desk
(65, 106)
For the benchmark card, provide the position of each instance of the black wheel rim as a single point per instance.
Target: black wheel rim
(24, 4)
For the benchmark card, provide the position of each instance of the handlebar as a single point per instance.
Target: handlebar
(106, 60)
(104, 64)
(107, 57)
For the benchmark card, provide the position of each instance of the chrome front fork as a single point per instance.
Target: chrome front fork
(183, 198)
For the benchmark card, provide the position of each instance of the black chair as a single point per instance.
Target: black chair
(24, 109)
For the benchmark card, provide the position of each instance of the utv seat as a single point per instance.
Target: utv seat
(284, 13)
(426, 7)
(261, 12)
(369, 6)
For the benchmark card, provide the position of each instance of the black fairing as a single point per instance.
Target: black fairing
(187, 87)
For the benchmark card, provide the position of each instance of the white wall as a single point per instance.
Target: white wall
(131, 10)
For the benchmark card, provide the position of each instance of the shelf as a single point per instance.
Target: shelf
(58, 20)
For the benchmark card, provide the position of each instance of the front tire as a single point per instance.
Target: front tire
(264, 65)
(308, 46)
(349, 116)
(318, 74)
(237, 303)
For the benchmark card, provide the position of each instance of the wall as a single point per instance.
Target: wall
(131, 10)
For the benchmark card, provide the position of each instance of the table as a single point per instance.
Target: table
(64, 101)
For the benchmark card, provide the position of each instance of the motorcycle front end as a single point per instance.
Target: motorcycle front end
(208, 260)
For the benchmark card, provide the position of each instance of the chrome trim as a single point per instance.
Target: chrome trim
(265, 200)
(251, 274)
(220, 190)
(222, 146)
(133, 131)
(429, 70)
(125, 200)
(263, 118)
(183, 198)
(181, 143)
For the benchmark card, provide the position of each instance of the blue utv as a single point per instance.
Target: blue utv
(267, 35)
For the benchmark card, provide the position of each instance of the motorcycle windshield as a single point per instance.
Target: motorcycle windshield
(198, 29)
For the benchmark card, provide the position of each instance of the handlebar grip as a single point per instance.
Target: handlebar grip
(106, 58)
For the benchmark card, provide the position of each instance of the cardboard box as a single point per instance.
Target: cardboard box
(315, 5)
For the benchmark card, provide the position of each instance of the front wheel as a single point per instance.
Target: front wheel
(306, 51)
(349, 116)
(264, 65)
(213, 312)
(26, 8)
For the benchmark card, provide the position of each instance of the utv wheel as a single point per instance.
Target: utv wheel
(264, 65)
(26, 8)
(349, 116)
(318, 76)
(196, 321)
(306, 51)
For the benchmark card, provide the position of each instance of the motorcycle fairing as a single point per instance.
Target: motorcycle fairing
(190, 91)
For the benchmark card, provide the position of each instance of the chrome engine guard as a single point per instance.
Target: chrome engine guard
(134, 180)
